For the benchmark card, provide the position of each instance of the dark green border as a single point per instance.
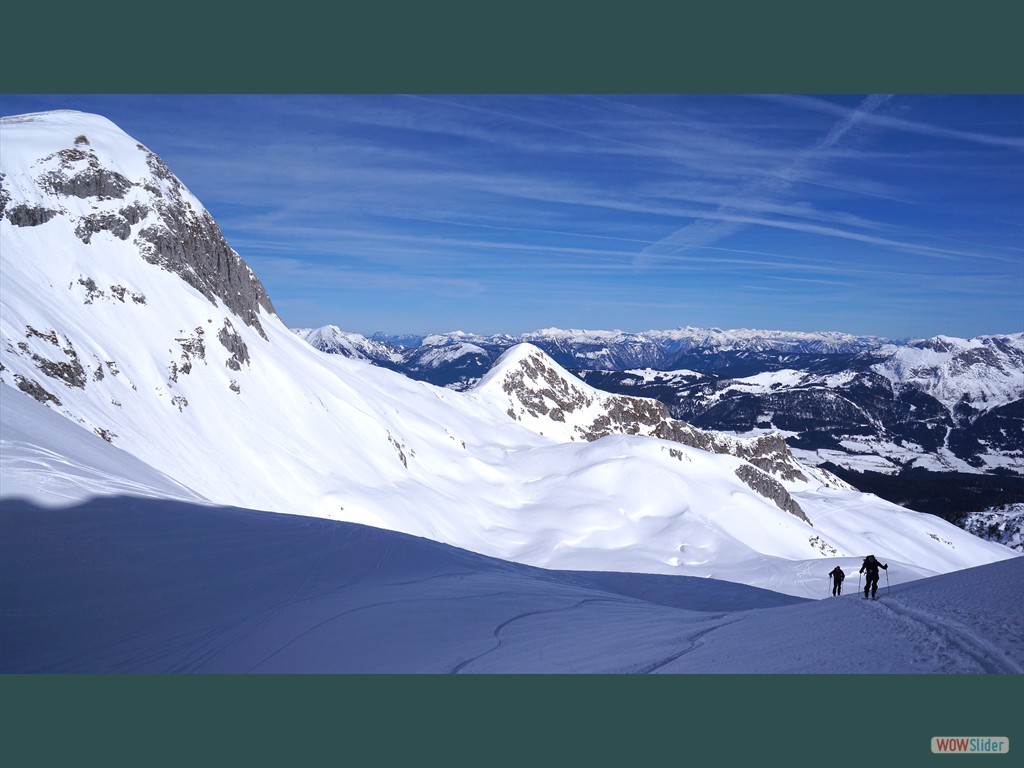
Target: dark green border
(525, 47)
(832, 721)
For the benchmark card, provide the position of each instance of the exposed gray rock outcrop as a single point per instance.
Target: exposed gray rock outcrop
(35, 390)
(29, 215)
(69, 371)
(770, 488)
(105, 222)
(192, 348)
(81, 175)
(234, 344)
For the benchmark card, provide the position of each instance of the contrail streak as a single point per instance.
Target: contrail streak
(704, 232)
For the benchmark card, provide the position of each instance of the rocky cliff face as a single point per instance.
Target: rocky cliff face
(191, 244)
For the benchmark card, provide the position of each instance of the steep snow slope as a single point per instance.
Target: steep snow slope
(124, 311)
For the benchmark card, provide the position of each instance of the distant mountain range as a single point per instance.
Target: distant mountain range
(458, 358)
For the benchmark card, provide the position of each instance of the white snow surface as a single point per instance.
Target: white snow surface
(300, 432)
(139, 579)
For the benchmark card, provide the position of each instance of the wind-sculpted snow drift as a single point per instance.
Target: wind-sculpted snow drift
(124, 311)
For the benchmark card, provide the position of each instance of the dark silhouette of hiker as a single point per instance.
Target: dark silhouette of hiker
(837, 576)
(870, 568)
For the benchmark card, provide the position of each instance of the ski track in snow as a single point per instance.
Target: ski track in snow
(693, 641)
(311, 580)
(61, 477)
(309, 631)
(503, 625)
(939, 637)
(229, 637)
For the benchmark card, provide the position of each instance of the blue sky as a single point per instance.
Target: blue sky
(890, 215)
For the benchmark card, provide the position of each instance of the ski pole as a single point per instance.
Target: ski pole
(887, 581)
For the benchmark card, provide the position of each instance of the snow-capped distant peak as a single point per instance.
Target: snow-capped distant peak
(333, 340)
(983, 372)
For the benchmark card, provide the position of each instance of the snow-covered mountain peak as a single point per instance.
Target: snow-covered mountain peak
(532, 388)
(40, 137)
(578, 335)
(822, 342)
(520, 358)
(451, 337)
(71, 172)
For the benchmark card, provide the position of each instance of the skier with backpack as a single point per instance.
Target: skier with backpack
(837, 576)
(870, 568)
